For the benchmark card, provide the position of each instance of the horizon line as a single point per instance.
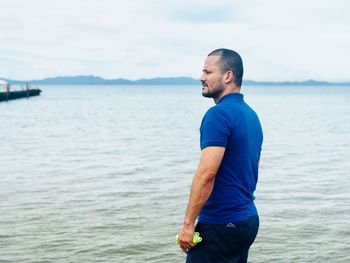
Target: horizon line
(93, 79)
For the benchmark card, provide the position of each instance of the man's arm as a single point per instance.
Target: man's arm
(202, 186)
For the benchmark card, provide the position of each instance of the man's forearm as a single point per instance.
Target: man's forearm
(201, 189)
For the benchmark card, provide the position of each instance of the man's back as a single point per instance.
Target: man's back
(234, 125)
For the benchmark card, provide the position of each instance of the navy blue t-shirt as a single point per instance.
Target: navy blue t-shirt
(232, 124)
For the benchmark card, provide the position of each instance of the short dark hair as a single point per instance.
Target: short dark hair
(230, 61)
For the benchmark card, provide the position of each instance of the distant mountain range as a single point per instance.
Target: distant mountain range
(95, 80)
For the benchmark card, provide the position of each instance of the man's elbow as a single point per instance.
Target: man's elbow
(206, 176)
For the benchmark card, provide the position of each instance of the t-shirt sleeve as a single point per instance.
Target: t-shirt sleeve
(214, 130)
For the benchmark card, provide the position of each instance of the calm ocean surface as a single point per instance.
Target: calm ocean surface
(102, 173)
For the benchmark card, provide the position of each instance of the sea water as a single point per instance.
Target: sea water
(103, 173)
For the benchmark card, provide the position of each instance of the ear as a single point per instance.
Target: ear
(229, 76)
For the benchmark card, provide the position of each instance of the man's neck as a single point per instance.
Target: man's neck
(229, 90)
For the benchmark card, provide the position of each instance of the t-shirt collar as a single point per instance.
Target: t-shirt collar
(235, 95)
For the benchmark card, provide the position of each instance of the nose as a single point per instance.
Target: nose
(202, 77)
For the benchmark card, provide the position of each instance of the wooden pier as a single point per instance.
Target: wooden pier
(7, 94)
(12, 95)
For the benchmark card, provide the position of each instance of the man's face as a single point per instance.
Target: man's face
(211, 78)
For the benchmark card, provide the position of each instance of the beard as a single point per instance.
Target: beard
(212, 93)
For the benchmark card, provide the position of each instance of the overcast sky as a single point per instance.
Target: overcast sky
(278, 39)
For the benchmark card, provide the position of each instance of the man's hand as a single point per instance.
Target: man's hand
(186, 237)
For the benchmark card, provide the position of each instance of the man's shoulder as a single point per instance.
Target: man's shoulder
(217, 116)
(215, 113)
(216, 110)
(226, 111)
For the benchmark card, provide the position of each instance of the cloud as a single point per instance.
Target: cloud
(279, 40)
(209, 13)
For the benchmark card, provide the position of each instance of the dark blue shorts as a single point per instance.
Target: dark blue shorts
(227, 243)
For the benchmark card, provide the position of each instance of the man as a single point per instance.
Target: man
(222, 191)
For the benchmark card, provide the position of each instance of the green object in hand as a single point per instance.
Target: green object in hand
(196, 238)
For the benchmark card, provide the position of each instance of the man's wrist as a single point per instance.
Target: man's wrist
(188, 222)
